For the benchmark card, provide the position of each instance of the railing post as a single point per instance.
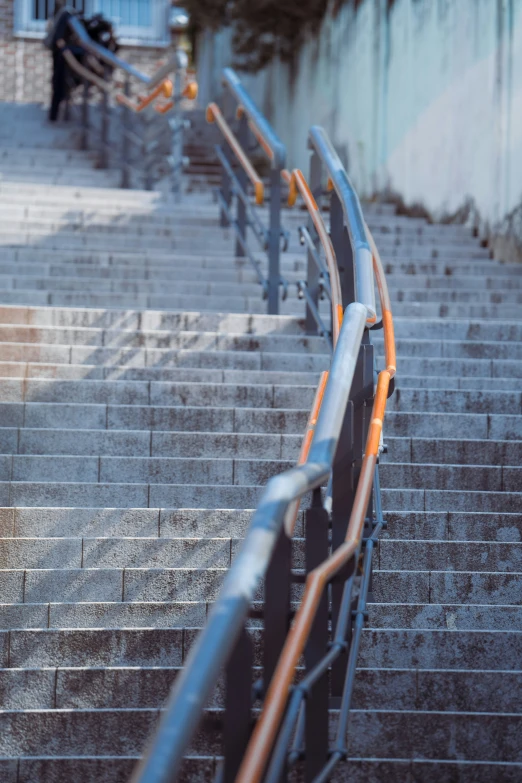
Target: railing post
(146, 148)
(317, 702)
(312, 272)
(343, 250)
(276, 605)
(274, 241)
(243, 181)
(104, 153)
(84, 139)
(125, 122)
(343, 493)
(364, 419)
(238, 700)
(226, 184)
(176, 125)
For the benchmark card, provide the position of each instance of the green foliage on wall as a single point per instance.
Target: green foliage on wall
(262, 29)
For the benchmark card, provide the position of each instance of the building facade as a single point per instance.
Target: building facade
(25, 65)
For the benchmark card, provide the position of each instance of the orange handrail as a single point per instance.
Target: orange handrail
(265, 146)
(298, 184)
(264, 735)
(190, 92)
(165, 89)
(214, 115)
(387, 318)
(293, 510)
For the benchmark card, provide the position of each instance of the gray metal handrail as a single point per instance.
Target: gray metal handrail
(214, 645)
(160, 145)
(113, 60)
(270, 138)
(353, 218)
(251, 122)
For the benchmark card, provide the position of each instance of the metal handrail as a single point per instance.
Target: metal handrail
(386, 312)
(299, 183)
(265, 732)
(216, 641)
(190, 92)
(165, 90)
(268, 140)
(353, 217)
(214, 115)
(84, 72)
(267, 149)
(114, 61)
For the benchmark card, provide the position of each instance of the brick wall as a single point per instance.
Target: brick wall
(25, 64)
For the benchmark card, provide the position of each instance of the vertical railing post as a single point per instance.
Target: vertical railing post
(226, 185)
(312, 272)
(125, 145)
(343, 493)
(146, 147)
(238, 701)
(274, 241)
(343, 250)
(276, 605)
(317, 701)
(84, 139)
(226, 188)
(243, 135)
(364, 419)
(104, 152)
(176, 125)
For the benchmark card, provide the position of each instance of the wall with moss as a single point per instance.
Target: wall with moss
(421, 98)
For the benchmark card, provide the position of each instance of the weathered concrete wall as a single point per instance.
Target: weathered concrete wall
(421, 97)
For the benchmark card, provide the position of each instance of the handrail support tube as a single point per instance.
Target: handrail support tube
(84, 143)
(125, 120)
(274, 241)
(243, 180)
(312, 272)
(104, 156)
(317, 703)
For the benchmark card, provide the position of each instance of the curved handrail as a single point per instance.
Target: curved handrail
(84, 72)
(214, 115)
(299, 183)
(387, 318)
(116, 62)
(165, 90)
(260, 126)
(353, 218)
(265, 732)
(267, 149)
(216, 641)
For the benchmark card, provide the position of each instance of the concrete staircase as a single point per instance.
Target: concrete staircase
(144, 402)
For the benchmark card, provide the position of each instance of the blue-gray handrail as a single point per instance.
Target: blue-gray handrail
(353, 217)
(116, 62)
(214, 645)
(232, 81)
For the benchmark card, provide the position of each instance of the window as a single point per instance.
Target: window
(136, 21)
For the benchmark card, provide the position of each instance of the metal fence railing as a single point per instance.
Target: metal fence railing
(142, 137)
(338, 474)
(238, 174)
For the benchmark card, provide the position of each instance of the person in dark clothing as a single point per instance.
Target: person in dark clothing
(57, 34)
(59, 38)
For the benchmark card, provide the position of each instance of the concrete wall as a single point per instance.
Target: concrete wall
(421, 97)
